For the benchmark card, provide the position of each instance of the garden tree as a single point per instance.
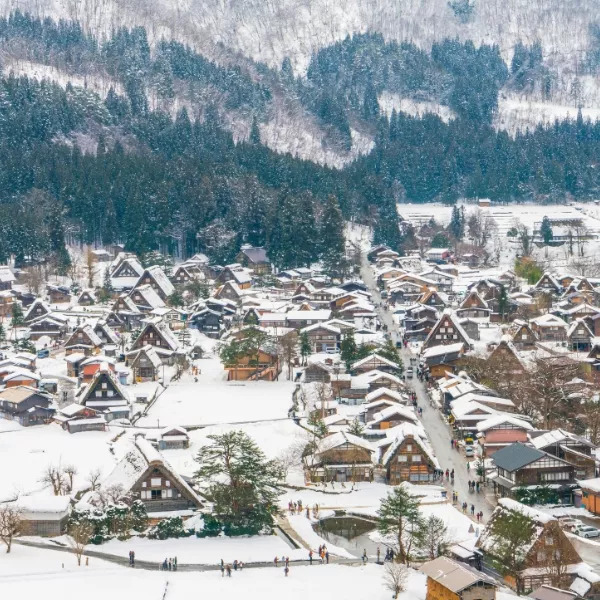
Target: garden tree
(395, 577)
(503, 302)
(10, 523)
(363, 350)
(231, 353)
(546, 386)
(176, 299)
(93, 479)
(348, 348)
(35, 280)
(356, 427)
(512, 531)
(198, 289)
(240, 481)
(56, 478)
(288, 350)
(2, 333)
(305, 347)
(333, 241)
(590, 417)
(525, 240)
(435, 537)
(317, 424)
(440, 240)
(90, 267)
(255, 340)
(70, 471)
(389, 351)
(556, 559)
(107, 289)
(17, 318)
(399, 517)
(528, 269)
(457, 224)
(546, 230)
(79, 533)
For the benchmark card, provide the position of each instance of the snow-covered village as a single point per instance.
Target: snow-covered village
(300, 299)
(423, 426)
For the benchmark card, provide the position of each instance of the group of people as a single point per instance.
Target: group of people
(227, 568)
(296, 508)
(322, 553)
(450, 475)
(169, 564)
(473, 486)
(285, 560)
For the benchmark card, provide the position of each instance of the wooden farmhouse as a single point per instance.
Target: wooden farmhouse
(255, 259)
(156, 278)
(474, 306)
(38, 309)
(447, 331)
(372, 362)
(156, 334)
(448, 579)
(145, 364)
(25, 405)
(342, 457)
(55, 326)
(145, 475)
(547, 558)
(83, 340)
(104, 392)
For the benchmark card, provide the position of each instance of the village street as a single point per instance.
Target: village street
(437, 430)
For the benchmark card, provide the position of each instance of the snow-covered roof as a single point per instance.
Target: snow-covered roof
(556, 436)
(371, 376)
(549, 320)
(378, 393)
(499, 420)
(41, 503)
(590, 484)
(341, 438)
(396, 409)
(6, 275)
(371, 357)
(151, 298)
(136, 462)
(161, 279)
(441, 350)
(402, 432)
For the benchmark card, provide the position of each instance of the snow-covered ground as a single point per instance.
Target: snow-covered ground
(389, 102)
(31, 573)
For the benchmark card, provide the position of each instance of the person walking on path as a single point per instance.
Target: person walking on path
(276, 561)
(286, 570)
(222, 569)
(472, 510)
(327, 556)
(364, 556)
(228, 569)
(310, 555)
(378, 555)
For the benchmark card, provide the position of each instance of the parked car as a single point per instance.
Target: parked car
(469, 451)
(409, 373)
(585, 531)
(570, 524)
(45, 353)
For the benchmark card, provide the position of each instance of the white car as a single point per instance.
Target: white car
(586, 531)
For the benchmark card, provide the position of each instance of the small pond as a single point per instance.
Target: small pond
(350, 533)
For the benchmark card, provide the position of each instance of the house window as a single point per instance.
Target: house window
(156, 494)
(402, 458)
(143, 484)
(155, 481)
(409, 447)
(549, 540)
(168, 483)
(541, 556)
(110, 393)
(104, 386)
(168, 493)
(416, 458)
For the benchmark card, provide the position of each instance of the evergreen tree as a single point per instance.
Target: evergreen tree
(348, 348)
(546, 230)
(356, 427)
(456, 227)
(242, 484)
(333, 241)
(389, 351)
(305, 347)
(370, 103)
(254, 133)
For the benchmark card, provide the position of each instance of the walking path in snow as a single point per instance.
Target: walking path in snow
(154, 566)
(437, 430)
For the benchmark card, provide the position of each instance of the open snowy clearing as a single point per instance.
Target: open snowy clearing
(101, 580)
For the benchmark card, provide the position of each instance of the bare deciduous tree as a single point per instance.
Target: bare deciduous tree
(93, 479)
(55, 476)
(90, 267)
(70, 471)
(79, 536)
(35, 280)
(10, 524)
(395, 577)
(288, 347)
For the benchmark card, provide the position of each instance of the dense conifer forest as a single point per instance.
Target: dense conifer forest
(159, 179)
